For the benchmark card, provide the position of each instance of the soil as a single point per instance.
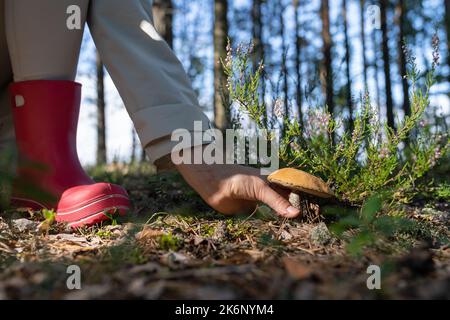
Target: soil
(173, 246)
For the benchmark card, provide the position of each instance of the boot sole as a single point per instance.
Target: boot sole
(90, 213)
(94, 211)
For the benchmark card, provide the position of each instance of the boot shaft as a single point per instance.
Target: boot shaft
(45, 114)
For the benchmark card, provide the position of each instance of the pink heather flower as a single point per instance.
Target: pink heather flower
(294, 146)
(437, 153)
(278, 108)
(239, 49)
(408, 54)
(423, 123)
(354, 134)
(318, 121)
(251, 47)
(435, 157)
(229, 57)
(435, 45)
(384, 152)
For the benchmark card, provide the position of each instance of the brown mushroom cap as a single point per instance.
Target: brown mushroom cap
(298, 180)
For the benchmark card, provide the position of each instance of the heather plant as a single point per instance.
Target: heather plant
(369, 159)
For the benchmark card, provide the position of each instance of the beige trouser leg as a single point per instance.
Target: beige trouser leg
(35, 44)
(40, 44)
(151, 80)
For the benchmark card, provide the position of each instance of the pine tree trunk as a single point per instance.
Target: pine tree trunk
(101, 118)
(133, 146)
(447, 28)
(347, 66)
(258, 44)
(400, 14)
(163, 17)
(327, 71)
(363, 41)
(387, 66)
(376, 71)
(221, 116)
(298, 65)
(284, 70)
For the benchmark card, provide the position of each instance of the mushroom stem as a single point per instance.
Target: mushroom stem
(295, 199)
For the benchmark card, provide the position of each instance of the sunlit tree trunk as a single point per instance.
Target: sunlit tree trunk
(221, 115)
(133, 146)
(387, 66)
(258, 56)
(327, 70)
(447, 28)
(284, 49)
(400, 15)
(363, 40)
(347, 66)
(163, 17)
(101, 118)
(298, 65)
(376, 71)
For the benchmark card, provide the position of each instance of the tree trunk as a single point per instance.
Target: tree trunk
(400, 15)
(387, 66)
(284, 70)
(163, 17)
(447, 28)
(258, 55)
(363, 41)
(375, 69)
(133, 146)
(347, 66)
(221, 116)
(298, 65)
(101, 119)
(327, 70)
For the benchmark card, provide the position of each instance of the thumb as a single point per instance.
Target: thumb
(277, 202)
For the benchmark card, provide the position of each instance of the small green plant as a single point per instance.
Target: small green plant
(369, 225)
(169, 242)
(104, 234)
(443, 191)
(49, 215)
(113, 217)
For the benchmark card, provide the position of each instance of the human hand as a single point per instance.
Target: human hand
(233, 189)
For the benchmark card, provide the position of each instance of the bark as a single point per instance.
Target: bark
(347, 66)
(221, 116)
(376, 69)
(133, 146)
(327, 71)
(284, 70)
(163, 17)
(298, 65)
(101, 118)
(400, 14)
(447, 28)
(387, 65)
(363, 41)
(258, 43)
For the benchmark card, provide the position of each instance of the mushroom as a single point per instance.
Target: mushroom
(301, 185)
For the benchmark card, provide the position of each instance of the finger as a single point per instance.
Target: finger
(277, 202)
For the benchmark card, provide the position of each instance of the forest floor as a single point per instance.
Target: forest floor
(174, 246)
